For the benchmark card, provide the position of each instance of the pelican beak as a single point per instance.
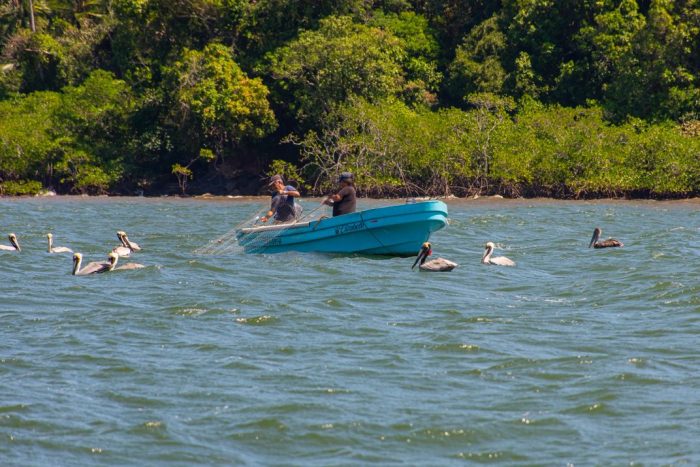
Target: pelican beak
(594, 239)
(421, 254)
(14, 242)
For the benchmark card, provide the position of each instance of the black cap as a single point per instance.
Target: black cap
(344, 176)
(275, 178)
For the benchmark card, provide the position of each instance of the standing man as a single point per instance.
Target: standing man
(345, 200)
(282, 206)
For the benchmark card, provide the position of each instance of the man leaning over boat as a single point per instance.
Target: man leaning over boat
(282, 207)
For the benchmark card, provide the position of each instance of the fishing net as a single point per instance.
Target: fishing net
(266, 234)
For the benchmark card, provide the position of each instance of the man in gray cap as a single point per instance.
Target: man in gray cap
(282, 206)
(345, 200)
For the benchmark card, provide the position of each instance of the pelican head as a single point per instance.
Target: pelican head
(112, 257)
(120, 235)
(77, 259)
(488, 251)
(126, 242)
(426, 250)
(596, 236)
(13, 239)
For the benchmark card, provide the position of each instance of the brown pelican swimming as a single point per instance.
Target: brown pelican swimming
(609, 243)
(57, 249)
(13, 241)
(124, 249)
(435, 265)
(114, 258)
(497, 260)
(121, 235)
(94, 267)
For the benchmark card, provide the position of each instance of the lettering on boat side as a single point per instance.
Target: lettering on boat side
(346, 228)
(274, 242)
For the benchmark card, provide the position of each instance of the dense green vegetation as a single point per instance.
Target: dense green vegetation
(519, 97)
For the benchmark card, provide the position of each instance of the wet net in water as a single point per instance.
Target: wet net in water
(266, 236)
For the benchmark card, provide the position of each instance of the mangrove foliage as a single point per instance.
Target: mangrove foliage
(562, 98)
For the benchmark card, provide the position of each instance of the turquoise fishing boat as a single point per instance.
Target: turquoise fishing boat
(392, 230)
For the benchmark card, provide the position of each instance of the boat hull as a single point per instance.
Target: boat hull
(393, 230)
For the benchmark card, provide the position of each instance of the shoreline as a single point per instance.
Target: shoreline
(449, 200)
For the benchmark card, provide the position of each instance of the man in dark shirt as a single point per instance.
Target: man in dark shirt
(282, 206)
(345, 200)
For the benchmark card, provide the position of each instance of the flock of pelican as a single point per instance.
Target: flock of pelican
(125, 248)
(444, 265)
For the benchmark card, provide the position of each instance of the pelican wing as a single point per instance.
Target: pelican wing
(94, 267)
(129, 266)
(122, 251)
(609, 243)
(502, 261)
(61, 249)
(438, 265)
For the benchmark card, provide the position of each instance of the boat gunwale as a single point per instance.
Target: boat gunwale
(296, 225)
(268, 228)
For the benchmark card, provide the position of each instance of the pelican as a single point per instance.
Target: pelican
(15, 244)
(497, 260)
(114, 258)
(58, 249)
(609, 243)
(435, 265)
(121, 235)
(94, 267)
(124, 249)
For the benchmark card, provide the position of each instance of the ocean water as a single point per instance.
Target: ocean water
(575, 356)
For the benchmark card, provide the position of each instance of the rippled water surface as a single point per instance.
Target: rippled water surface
(575, 356)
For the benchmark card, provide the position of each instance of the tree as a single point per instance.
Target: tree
(323, 68)
(477, 66)
(422, 50)
(92, 128)
(216, 103)
(656, 76)
(27, 141)
(268, 24)
(183, 173)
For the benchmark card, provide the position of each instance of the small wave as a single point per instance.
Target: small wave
(262, 320)
(153, 428)
(639, 379)
(14, 408)
(491, 456)
(528, 419)
(263, 424)
(594, 408)
(190, 311)
(461, 348)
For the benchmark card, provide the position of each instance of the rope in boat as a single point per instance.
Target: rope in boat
(370, 230)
